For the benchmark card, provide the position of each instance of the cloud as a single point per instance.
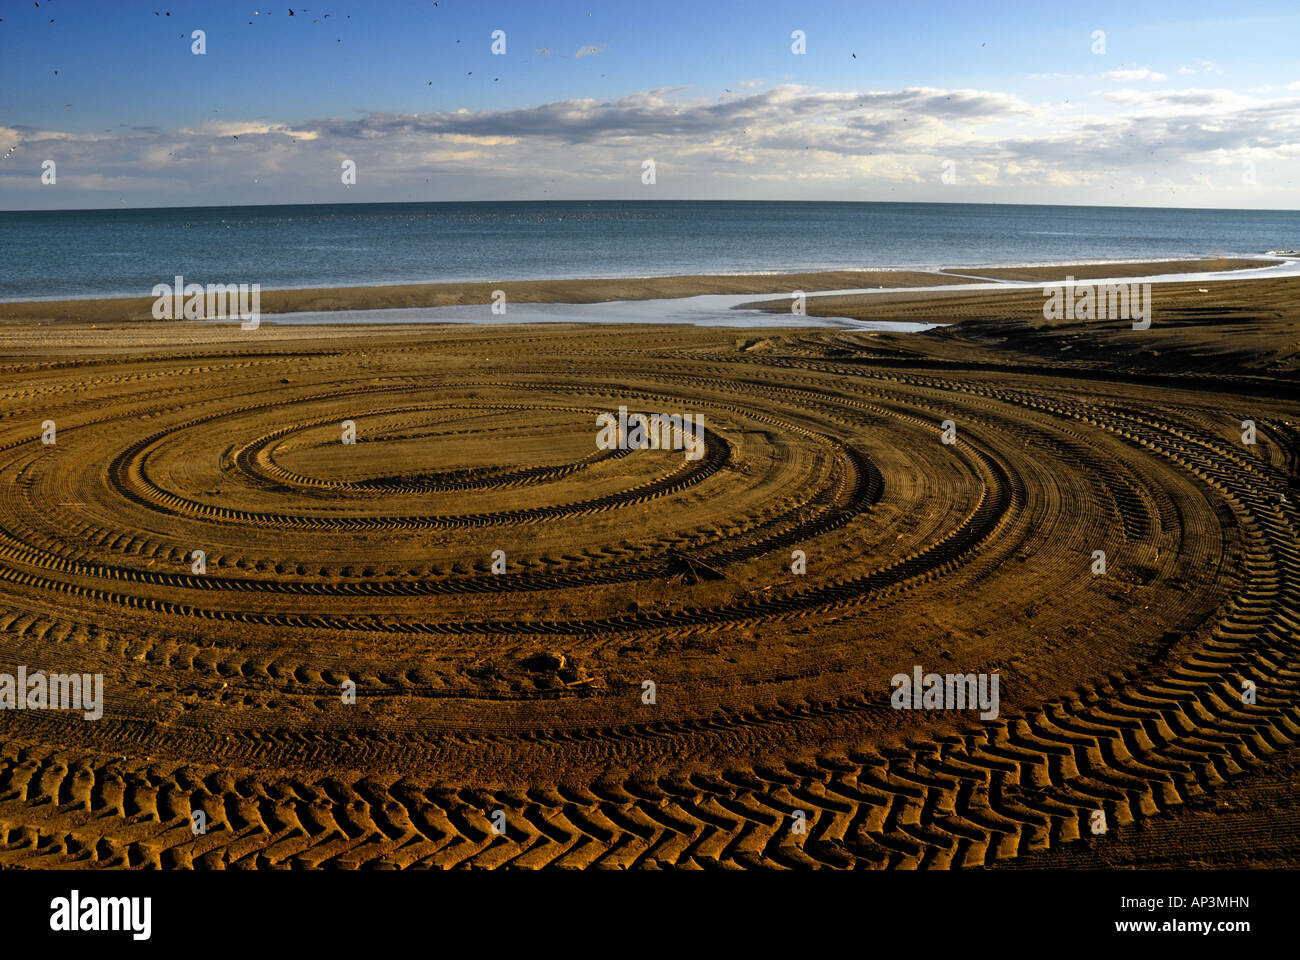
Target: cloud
(589, 51)
(1179, 99)
(663, 113)
(1140, 73)
(757, 142)
(237, 128)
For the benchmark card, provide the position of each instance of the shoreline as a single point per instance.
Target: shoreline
(1246, 328)
(1240, 261)
(595, 291)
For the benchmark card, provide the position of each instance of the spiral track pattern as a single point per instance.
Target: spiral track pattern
(371, 563)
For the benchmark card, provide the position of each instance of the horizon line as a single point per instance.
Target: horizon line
(376, 203)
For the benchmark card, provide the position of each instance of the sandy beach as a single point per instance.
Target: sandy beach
(368, 566)
(1242, 327)
(453, 294)
(107, 310)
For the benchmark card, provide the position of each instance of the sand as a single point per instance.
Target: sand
(367, 567)
(1098, 271)
(524, 291)
(107, 310)
(1239, 327)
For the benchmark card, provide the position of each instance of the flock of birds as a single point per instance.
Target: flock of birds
(293, 12)
(544, 51)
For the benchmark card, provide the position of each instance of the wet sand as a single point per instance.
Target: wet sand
(523, 291)
(580, 291)
(1227, 327)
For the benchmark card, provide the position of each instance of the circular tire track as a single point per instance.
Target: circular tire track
(371, 564)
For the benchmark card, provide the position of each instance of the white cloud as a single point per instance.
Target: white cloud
(1140, 73)
(783, 141)
(1179, 100)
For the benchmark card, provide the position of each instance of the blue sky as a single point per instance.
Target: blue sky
(1190, 104)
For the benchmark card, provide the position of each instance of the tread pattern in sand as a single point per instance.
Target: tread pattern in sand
(522, 692)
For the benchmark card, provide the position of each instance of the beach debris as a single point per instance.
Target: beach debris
(692, 570)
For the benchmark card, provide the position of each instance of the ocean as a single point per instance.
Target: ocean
(105, 253)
